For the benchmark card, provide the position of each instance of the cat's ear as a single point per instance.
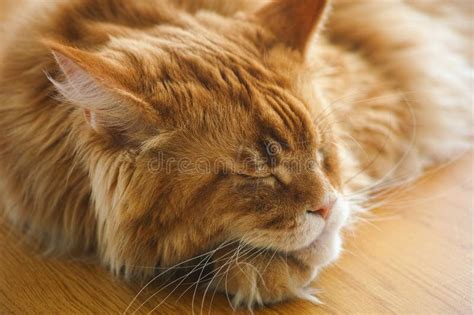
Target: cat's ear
(294, 22)
(99, 88)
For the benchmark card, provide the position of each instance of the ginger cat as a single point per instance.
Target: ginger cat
(243, 134)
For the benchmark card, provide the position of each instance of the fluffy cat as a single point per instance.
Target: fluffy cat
(152, 132)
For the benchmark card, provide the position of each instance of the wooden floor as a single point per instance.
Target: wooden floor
(415, 256)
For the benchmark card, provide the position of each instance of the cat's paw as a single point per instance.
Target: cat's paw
(260, 278)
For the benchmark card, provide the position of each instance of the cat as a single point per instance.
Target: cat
(244, 134)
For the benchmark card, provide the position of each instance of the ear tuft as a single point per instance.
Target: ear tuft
(80, 88)
(93, 84)
(294, 22)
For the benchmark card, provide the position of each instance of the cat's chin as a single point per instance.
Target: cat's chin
(325, 252)
(328, 250)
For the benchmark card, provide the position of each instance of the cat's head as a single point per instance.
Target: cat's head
(202, 130)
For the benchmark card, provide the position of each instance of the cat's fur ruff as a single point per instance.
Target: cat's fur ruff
(384, 91)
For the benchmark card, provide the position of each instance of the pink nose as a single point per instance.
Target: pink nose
(324, 210)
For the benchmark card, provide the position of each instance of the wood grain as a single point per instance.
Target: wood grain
(413, 256)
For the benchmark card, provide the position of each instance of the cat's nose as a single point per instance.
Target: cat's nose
(324, 210)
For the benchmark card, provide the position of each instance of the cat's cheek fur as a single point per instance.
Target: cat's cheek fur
(306, 231)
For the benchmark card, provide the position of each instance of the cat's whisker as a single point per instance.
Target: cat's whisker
(404, 156)
(216, 274)
(180, 280)
(269, 261)
(401, 159)
(321, 120)
(356, 143)
(416, 201)
(225, 244)
(331, 108)
(176, 287)
(378, 189)
(226, 264)
(226, 279)
(249, 264)
(391, 197)
(196, 285)
(381, 184)
(369, 222)
(236, 259)
(255, 254)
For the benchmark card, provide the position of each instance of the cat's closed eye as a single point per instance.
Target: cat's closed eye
(255, 176)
